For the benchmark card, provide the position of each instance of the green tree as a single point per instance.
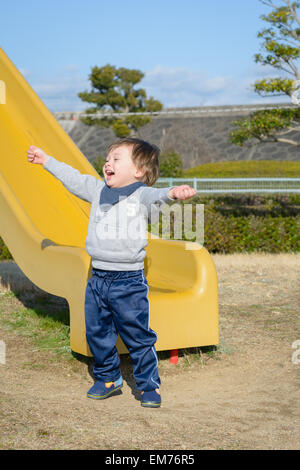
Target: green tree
(114, 91)
(280, 50)
(170, 164)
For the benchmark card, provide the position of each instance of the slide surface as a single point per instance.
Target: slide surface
(45, 226)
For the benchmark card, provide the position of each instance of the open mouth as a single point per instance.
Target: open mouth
(109, 172)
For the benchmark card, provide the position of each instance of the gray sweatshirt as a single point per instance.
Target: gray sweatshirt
(117, 237)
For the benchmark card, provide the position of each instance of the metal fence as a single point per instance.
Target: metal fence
(235, 185)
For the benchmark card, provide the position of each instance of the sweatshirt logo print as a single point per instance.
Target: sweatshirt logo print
(121, 221)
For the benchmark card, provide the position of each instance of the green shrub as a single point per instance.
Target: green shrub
(170, 165)
(98, 165)
(253, 233)
(249, 223)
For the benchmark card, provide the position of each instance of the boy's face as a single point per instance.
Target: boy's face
(119, 169)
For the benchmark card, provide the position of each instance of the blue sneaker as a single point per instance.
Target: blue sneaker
(151, 399)
(102, 390)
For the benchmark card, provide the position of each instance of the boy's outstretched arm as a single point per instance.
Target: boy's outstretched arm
(161, 196)
(83, 186)
(153, 199)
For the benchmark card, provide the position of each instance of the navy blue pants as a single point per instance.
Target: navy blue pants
(116, 302)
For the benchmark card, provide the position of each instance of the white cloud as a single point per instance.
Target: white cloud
(179, 87)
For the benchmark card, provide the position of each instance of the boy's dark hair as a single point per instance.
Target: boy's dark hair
(144, 156)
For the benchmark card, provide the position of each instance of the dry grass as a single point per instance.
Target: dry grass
(257, 260)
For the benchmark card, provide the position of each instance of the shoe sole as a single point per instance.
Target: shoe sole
(101, 397)
(151, 405)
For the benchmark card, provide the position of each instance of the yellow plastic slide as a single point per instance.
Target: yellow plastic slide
(44, 227)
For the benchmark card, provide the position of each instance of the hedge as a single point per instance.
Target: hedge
(243, 223)
(250, 223)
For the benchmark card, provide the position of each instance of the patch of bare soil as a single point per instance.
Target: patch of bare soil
(246, 396)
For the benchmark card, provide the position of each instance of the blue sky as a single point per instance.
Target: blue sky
(192, 52)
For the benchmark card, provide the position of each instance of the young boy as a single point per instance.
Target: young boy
(116, 299)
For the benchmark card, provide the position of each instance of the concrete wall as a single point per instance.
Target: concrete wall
(199, 135)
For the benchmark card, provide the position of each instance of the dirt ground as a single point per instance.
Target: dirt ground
(245, 396)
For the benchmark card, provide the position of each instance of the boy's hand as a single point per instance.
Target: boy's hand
(37, 155)
(182, 192)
